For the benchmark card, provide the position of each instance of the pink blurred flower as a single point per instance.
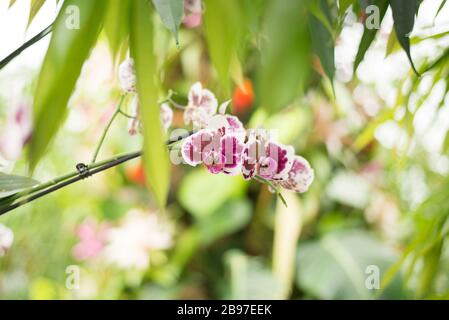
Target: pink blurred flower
(193, 13)
(91, 240)
(16, 132)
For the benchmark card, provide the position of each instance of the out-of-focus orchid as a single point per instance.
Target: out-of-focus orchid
(16, 132)
(202, 106)
(91, 240)
(127, 76)
(6, 239)
(131, 243)
(134, 125)
(193, 13)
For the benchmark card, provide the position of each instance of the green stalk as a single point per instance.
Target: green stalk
(106, 129)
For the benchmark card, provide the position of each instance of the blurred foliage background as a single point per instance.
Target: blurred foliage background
(348, 98)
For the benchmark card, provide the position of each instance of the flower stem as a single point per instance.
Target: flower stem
(106, 129)
(274, 187)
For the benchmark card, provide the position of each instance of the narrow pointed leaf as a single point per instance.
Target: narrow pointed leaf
(34, 9)
(322, 41)
(69, 48)
(156, 160)
(116, 25)
(443, 3)
(11, 3)
(171, 12)
(404, 12)
(369, 34)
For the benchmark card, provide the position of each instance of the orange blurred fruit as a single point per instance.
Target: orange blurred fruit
(243, 97)
(136, 174)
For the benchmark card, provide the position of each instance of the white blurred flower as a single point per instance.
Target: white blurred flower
(202, 106)
(134, 125)
(16, 132)
(131, 243)
(127, 76)
(6, 239)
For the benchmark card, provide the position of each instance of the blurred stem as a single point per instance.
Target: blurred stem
(106, 129)
(24, 46)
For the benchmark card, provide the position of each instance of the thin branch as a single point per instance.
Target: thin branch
(24, 46)
(72, 177)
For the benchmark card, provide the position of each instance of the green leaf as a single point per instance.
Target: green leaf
(11, 3)
(116, 25)
(230, 218)
(171, 12)
(322, 40)
(10, 184)
(335, 266)
(223, 30)
(369, 34)
(404, 12)
(286, 54)
(156, 162)
(219, 189)
(68, 49)
(35, 7)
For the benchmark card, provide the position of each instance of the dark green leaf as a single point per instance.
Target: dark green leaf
(440, 7)
(322, 41)
(369, 34)
(171, 12)
(69, 48)
(404, 12)
(156, 162)
(285, 55)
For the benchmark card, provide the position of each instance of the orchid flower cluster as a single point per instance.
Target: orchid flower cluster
(224, 146)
